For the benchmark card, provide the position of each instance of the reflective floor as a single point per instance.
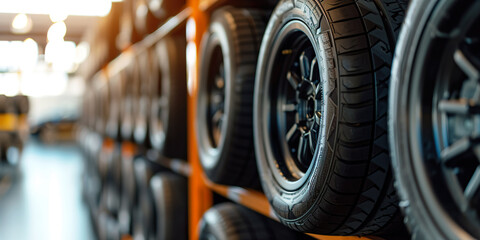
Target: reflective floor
(44, 201)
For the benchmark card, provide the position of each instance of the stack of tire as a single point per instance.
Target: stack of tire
(135, 105)
(297, 100)
(159, 123)
(14, 128)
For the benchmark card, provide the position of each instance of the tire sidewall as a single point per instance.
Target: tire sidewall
(424, 215)
(293, 205)
(217, 35)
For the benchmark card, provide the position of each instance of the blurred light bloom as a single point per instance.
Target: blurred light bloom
(30, 55)
(67, 7)
(82, 52)
(57, 32)
(21, 24)
(61, 55)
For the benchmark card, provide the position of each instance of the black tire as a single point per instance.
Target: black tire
(320, 116)
(171, 206)
(229, 221)
(227, 74)
(144, 216)
(143, 100)
(436, 75)
(128, 194)
(116, 90)
(101, 93)
(163, 9)
(128, 101)
(168, 122)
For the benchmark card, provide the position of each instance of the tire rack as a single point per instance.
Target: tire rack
(200, 189)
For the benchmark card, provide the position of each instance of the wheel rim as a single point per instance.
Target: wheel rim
(293, 106)
(216, 97)
(448, 89)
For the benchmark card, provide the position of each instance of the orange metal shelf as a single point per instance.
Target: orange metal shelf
(178, 166)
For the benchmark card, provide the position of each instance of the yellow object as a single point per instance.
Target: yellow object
(8, 122)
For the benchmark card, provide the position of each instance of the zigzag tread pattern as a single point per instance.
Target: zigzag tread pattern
(365, 201)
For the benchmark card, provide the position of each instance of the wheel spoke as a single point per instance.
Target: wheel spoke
(291, 132)
(455, 150)
(466, 65)
(473, 185)
(313, 65)
(310, 143)
(304, 66)
(318, 91)
(289, 107)
(293, 79)
(303, 147)
(318, 117)
(460, 106)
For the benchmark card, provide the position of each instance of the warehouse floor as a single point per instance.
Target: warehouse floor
(44, 201)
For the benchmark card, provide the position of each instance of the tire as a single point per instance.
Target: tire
(128, 34)
(168, 119)
(116, 90)
(144, 208)
(437, 60)
(101, 97)
(163, 9)
(225, 103)
(128, 101)
(229, 221)
(320, 117)
(129, 194)
(171, 206)
(143, 99)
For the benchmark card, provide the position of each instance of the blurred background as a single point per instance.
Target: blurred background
(42, 47)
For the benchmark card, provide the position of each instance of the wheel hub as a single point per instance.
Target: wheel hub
(307, 106)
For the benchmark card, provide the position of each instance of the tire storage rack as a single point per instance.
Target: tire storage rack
(132, 161)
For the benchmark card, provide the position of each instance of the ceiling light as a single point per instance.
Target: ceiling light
(72, 7)
(57, 32)
(21, 24)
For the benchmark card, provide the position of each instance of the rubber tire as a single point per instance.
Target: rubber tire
(129, 194)
(229, 221)
(163, 9)
(171, 206)
(349, 189)
(143, 100)
(116, 90)
(128, 102)
(169, 87)
(238, 32)
(419, 189)
(144, 207)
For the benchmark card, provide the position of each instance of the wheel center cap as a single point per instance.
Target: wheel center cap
(310, 107)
